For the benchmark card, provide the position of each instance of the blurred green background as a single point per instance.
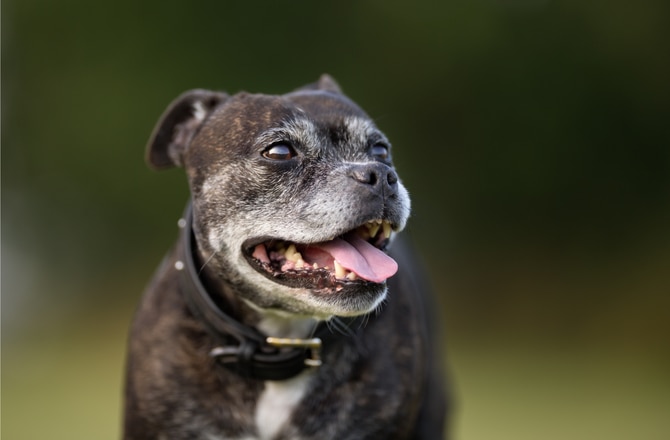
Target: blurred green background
(533, 135)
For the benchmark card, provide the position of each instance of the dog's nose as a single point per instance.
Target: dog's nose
(381, 178)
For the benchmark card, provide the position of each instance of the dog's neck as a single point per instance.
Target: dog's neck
(269, 322)
(284, 326)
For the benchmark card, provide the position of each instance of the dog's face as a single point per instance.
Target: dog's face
(295, 197)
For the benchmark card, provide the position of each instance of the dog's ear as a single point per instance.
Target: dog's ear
(178, 125)
(325, 83)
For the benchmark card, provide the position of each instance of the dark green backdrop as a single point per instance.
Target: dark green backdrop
(533, 136)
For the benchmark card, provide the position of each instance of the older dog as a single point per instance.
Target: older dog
(279, 314)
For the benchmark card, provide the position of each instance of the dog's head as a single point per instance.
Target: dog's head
(295, 198)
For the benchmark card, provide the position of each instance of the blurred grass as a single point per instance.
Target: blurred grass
(65, 382)
(541, 392)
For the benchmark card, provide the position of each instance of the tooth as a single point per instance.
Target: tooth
(340, 272)
(387, 229)
(352, 276)
(300, 263)
(292, 254)
(315, 266)
(373, 228)
(260, 253)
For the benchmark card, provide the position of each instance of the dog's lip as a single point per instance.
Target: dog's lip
(282, 261)
(249, 244)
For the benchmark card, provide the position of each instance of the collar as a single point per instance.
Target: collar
(244, 349)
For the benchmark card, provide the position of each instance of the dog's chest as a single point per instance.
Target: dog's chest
(277, 403)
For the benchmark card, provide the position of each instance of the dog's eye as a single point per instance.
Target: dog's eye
(279, 152)
(380, 151)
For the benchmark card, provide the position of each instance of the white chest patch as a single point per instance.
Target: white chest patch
(277, 402)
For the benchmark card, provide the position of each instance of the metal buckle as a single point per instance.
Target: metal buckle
(314, 346)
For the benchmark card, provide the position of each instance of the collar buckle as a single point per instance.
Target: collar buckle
(313, 345)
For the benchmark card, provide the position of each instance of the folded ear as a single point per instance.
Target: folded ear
(325, 83)
(178, 125)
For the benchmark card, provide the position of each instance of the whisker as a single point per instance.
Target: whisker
(381, 305)
(342, 328)
(364, 321)
(337, 325)
(314, 327)
(206, 262)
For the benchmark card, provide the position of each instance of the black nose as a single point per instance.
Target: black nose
(381, 178)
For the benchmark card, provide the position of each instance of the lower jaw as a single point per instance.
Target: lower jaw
(346, 298)
(317, 280)
(348, 302)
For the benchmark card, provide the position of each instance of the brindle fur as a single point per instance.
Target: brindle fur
(383, 382)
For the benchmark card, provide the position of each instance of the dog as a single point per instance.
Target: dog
(290, 308)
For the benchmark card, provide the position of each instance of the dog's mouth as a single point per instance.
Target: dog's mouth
(355, 257)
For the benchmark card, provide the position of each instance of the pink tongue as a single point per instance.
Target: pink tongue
(360, 257)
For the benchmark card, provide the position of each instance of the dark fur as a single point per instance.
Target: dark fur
(382, 383)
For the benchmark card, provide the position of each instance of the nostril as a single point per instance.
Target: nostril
(367, 176)
(392, 178)
(379, 177)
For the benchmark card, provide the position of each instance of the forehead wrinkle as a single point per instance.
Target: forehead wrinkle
(356, 123)
(361, 131)
(356, 134)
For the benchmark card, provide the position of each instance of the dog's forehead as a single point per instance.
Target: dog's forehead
(253, 114)
(322, 105)
(315, 120)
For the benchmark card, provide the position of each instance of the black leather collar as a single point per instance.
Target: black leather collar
(244, 349)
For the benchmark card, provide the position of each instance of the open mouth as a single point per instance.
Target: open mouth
(357, 256)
